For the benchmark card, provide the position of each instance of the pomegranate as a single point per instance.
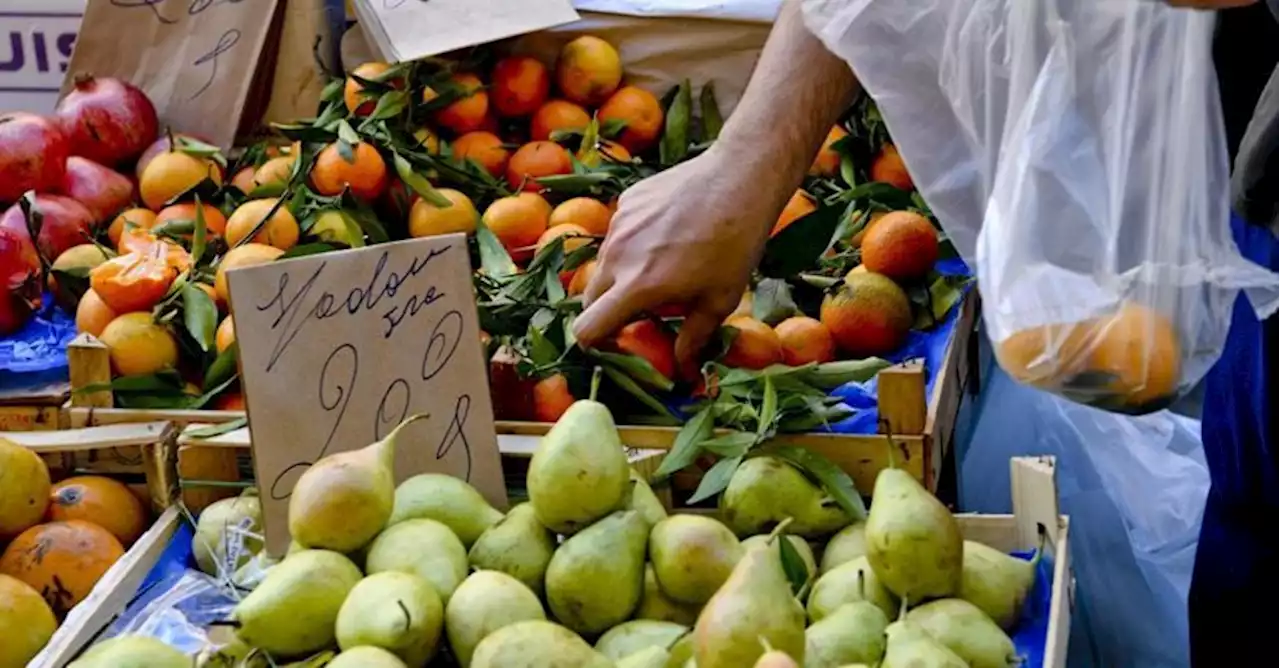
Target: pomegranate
(33, 151)
(64, 223)
(19, 281)
(160, 146)
(107, 120)
(103, 191)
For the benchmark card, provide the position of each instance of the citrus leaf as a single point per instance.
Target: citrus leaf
(834, 481)
(831, 375)
(223, 368)
(729, 445)
(768, 408)
(792, 564)
(199, 234)
(712, 121)
(495, 261)
(219, 429)
(716, 479)
(636, 367)
(773, 302)
(623, 381)
(541, 350)
(199, 314)
(674, 145)
(418, 183)
(799, 245)
(685, 448)
(315, 248)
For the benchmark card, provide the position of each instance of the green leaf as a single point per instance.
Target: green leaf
(315, 248)
(831, 375)
(793, 564)
(837, 484)
(634, 366)
(735, 444)
(943, 293)
(799, 245)
(716, 479)
(495, 261)
(418, 183)
(333, 90)
(768, 408)
(685, 448)
(347, 134)
(390, 105)
(712, 121)
(674, 145)
(198, 235)
(613, 127)
(773, 302)
(217, 429)
(541, 350)
(199, 314)
(623, 381)
(223, 368)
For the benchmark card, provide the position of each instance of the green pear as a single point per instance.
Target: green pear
(853, 633)
(342, 501)
(649, 657)
(424, 547)
(366, 657)
(485, 602)
(399, 612)
(518, 545)
(802, 548)
(909, 646)
(996, 582)
(848, 544)
(644, 501)
(967, 631)
(654, 604)
(913, 541)
(755, 603)
(630, 637)
(764, 491)
(595, 577)
(536, 644)
(132, 652)
(292, 613)
(692, 556)
(579, 473)
(682, 653)
(847, 583)
(251, 573)
(445, 499)
(228, 534)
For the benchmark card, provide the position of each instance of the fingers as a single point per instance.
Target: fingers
(605, 315)
(698, 327)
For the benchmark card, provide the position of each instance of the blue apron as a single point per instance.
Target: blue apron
(1235, 577)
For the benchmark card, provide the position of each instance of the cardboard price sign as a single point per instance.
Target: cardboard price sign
(337, 349)
(411, 29)
(206, 64)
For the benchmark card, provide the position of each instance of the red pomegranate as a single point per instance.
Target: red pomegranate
(32, 153)
(19, 281)
(160, 146)
(107, 120)
(103, 191)
(64, 223)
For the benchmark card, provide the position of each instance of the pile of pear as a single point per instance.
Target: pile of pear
(593, 572)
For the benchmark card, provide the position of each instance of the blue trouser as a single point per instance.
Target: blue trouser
(1235, 573)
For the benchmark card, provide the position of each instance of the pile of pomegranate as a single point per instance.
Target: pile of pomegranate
(67, 168)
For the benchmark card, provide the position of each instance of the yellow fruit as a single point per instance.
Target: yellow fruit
(27, 620)
(24, 489)
(428, 220)
(171, 174)
(281, 230)
(247, 255)
(139, 346)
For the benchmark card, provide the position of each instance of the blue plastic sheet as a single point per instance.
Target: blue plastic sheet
(1032, 632)
(41, 345)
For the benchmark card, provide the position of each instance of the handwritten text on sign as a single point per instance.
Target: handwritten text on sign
(337, 349)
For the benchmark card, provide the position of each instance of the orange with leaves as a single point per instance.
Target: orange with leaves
(649, 340)
(518, 86)
(172, 173)
(143, 219)
(61, 560)
(576, 237)
(139, 346)
(518, 221)
(102, 501)
(134, 281)
(275, 171)
(280, 229)
(800, 205)
(756, 345)
(805, 340)
(184, 214)
(485, 148)
(641, 112)
(248, 255)
(888, 167)
(365, 173)
(353, 94)
(469, 111)
(429, 220)
(590, 214)
(536, 160)
(557, 115)
(827, 161)
(589, 70)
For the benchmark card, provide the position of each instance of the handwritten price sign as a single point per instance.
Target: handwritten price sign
(196, 59)
(337, 349)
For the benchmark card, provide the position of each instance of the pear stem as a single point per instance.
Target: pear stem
(595, 382)
(764, 642)
(778, 530)
(888, 438)
(387, 446)
(1044, 537)
(902, 611)
(862, 585)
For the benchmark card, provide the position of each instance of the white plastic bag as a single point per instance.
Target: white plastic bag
(1074, 152)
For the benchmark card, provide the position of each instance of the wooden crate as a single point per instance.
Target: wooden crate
(34, 409)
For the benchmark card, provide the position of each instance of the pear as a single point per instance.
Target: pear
(644, 501)
(766, 490)
(579, 472)
(755, 602)
(996, 582)
(536, 644)
(773, 658)
(656, 605)
(399, 612)
(594, 579)
(251, 572)
(485, 602)
(692, 556)
(228, 534)
(649, 657)
(854, 633)
(802, 548)
(445, 499)
(967, 631)
(630, 637)
(424, 547)
(847, 583)
(913, 541)
(909, 646)
(344, 500)
(366, 657)
(518, 545)
(848, 544)
(292, 613)
(132, 652)
(682, 652)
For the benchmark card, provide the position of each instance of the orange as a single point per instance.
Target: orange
(105, 502)
(243, 180)
(551, 398)
(581, 278)
(577, 239)
(805, 340)
(536, 160)
(612, 151)
(131, 218)
(468, 112)
(867, 315)
(353, 96)
(61, 560)
(365, 174)
(888, 167)
(589, 70)
(173, 173)
(280, 230)
(755, 347)
(827, 161)
(24, 494)
(1138, 349)
(27, 619)
(428, 140)
(428, 220)
(590, 214)
(557, 115)
(1046, 356)
(518, 86)
(483, 147)
(518, 221)
(139, 346)
(143, 242)
(799, 206)
(226, 334)
(274, 171)
(642, 113)
(856, 240)
(902, 245)
(230, 401)
(247, 255)
(92, 314)
(76, 258)
(649, 340)
(214, 221)
(134, 281)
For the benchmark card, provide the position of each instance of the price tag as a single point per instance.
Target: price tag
(337, 349)
(411, 29)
